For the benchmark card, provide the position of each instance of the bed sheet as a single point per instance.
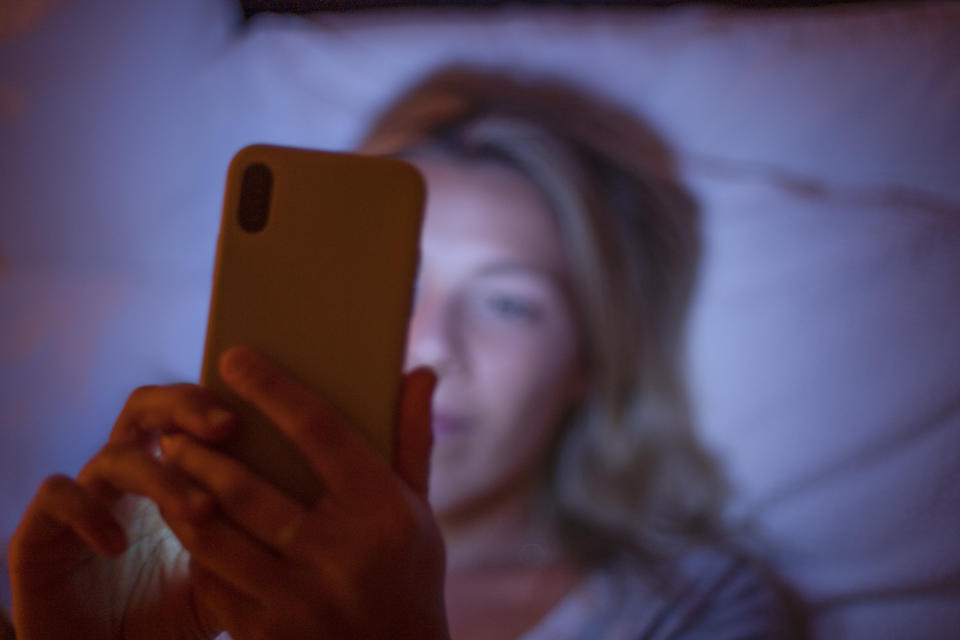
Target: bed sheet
(822, 145)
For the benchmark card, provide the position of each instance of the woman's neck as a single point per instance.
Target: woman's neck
(505, 566)
(505, 571)
(508, 531)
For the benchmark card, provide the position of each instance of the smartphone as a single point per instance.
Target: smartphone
(315, 268)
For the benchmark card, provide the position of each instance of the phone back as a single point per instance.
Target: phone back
(324, 288)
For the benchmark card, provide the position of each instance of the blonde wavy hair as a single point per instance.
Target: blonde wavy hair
(626, 472)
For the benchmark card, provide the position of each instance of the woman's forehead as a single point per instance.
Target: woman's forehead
(485, 209)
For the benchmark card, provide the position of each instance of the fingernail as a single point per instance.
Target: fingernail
(429, 379)
(434, 377)
(236, 361)
(425, 375)
(219, 420)
(168, 445)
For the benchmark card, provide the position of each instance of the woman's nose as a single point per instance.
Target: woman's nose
(432, 336)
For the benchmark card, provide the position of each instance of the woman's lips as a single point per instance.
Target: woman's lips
(447, 425)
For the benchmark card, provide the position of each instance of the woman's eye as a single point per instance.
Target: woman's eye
(513, 308)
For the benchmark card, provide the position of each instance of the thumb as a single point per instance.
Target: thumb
(414, 438)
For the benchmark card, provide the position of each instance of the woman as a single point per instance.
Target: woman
(557, 263)
(558, 259)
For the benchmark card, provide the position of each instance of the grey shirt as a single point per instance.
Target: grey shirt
(704, 594)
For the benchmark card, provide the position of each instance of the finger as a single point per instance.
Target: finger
(335, 451)
(220, 607)
(294, 615)
(235, 557)
(414, 439)
(128, 468)
(254, 505)
(62, 503)
(188, 407)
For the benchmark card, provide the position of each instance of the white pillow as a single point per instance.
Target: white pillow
(822, 144)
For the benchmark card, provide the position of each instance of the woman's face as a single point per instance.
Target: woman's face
(492, 317)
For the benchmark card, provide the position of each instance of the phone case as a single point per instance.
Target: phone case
(324, 288)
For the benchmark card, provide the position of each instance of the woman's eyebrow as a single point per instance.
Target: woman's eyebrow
(519, 268)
